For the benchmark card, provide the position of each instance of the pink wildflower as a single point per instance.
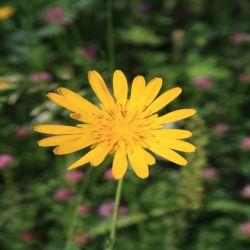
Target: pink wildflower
(57, 15)
(245, 192)
(89, 53)
(244, 228)
(108, 174)
(210, 173)
(42, 76)
(74, 176)
(5, 160)
(84, 209)
(106, 209)
(145, 7)
(243, 77)
(220, 128)
(203, 82)
(22, 132)
(240, 37)
(63, 194)
(82, 238)
(246, 143)
(26, 236)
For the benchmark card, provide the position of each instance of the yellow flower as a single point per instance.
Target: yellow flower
(6, 12)
(5, 85)
(125, 127)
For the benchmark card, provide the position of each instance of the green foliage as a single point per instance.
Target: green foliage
(176, 208)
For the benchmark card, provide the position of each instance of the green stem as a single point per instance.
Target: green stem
(81, 194)
(111, 242)
(110, 37)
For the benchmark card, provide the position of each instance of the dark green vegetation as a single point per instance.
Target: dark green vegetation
(199, 45)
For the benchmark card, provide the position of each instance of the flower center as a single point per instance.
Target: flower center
(122, 126)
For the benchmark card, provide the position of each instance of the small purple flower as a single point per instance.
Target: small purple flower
(22, 132)
(42, 76)
(108, 175)
(27, 236)
(82, 238)
(145, 7)
(246, 143)
(220, 128)
(244, 228)
(243, 77)
(106, 209)
(210, 173)
(245, 192)
(74, 176)
(203, 82)
(89, 53)
(57, 15)
(240, 37)
(63, 194)
(84, 209)
(5, 160)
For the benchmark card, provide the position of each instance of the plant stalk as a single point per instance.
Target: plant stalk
(112, 237)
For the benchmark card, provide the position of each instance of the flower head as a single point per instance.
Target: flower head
(220, 128)
(6, 12)
(244, 228)
(57, 15)
(89, 53)
(240, 37)
(144, 7)
(107, 175)
(246, 143)
(5, 160)
(63, 194)
(84, 209)
(127, 128)
(107, 209)
(245, 192)
(74, 176)
(82, 238)
(210, 173)
(22, 132)
(42, 76)
(203, 82)
(26, 236)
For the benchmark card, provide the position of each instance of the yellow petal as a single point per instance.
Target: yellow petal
(90, 156)
(78, 101)
(172, 133)
(151, 91)
(163, 100)
(85, 159)
(138, 165)
(120, 163)
(56, 140)
(100, 88)
(100, 155)
(73, 145)
(57, 129)
(120, 87)
(177, 144)
(145, 156)
(138, 87)
(176, 116)
(168, 154)
(74, 107)
(83, 117)
(60, 100)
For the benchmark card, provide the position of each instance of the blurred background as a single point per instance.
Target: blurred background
(199, 45)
